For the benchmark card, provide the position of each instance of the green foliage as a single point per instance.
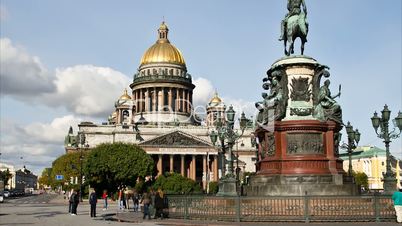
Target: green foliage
(67, 165)
(174, 183)
(46, 178)
(361, 179)
(5, 175)
(110, 165)
(213, 187)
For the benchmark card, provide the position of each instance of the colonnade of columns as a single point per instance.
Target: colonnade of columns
(188, 166)
(163, 99)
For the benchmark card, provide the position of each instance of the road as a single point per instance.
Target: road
(52, 210)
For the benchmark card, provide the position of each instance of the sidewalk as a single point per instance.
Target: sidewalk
(136, 218)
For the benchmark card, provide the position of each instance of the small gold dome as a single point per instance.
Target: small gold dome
(162, 51)
(215, 99)
(125, 96)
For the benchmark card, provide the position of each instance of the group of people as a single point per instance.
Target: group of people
(150, 200)
(73, 200)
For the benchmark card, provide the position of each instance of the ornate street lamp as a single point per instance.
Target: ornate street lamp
(386, 135)
(353, 141)
(227, 137)
(82, 143)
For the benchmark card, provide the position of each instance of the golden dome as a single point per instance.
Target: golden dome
(125, 96)
(215, 99)
(114, 114)
(162, 51)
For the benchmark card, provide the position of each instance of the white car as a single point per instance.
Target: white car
(6, 194)
(1, 198)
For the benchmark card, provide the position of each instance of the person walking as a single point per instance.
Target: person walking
(70, 201)
(92, 201)
(136, 200)
(397, 197)
(159, 204)
(104, 197)
(146, 200)
(119, 199)
(76, 199)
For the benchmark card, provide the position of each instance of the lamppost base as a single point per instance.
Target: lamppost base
(227, 186)
(389, 185)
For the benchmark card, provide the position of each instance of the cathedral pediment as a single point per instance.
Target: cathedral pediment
(176, 139)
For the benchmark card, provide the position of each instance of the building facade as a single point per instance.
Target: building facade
(372, 161)
(21, 179)
(159, 116)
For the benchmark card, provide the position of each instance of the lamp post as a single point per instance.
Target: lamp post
(386, 135)
(82, 142)
(353, 141)
(227, 137)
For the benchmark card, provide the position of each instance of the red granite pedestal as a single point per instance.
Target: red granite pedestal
(297, 158)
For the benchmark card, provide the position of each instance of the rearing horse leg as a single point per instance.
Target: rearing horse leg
(302, 47)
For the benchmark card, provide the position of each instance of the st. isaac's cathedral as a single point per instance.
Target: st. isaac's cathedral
(158, 115)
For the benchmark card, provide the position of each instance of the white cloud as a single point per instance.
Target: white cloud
(87, 89)
(38, 143)
(82, 89)
(21, 74)
(203, 92)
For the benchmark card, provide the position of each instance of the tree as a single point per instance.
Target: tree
(110, 165)
(174, 183)
(68, 165)
(5, 175)
(361, 179)
(46, 178)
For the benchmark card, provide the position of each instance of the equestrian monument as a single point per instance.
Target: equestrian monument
(299, 122)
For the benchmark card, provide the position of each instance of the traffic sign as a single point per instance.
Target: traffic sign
(59, 177)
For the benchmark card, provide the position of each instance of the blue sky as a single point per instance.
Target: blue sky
(66, 61)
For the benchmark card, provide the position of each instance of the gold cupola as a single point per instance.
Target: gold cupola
(216, 99)
(162, 51)
(125, 96)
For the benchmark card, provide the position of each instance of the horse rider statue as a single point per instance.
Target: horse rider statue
(294, 7)
(295, 24)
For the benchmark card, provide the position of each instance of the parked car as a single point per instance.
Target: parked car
(1, 197)
(6, 194)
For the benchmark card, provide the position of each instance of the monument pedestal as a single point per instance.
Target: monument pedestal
(298, 146)
(227, 187)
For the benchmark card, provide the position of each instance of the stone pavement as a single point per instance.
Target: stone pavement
(136, 218)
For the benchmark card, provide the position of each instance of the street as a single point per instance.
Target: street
(52, 210)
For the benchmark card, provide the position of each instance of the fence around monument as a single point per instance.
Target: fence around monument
(300, 208)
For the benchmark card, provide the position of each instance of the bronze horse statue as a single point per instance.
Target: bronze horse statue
(297, 26)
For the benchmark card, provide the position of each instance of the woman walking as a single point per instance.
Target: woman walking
(104, 197)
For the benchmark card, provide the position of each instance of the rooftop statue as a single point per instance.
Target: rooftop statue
(294, 25)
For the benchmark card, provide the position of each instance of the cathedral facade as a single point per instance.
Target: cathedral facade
(158, 115)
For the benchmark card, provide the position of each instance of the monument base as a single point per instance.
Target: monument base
(227, 187)
(298, 185)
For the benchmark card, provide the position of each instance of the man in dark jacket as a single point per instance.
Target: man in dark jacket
(92, 201)
(76, 199)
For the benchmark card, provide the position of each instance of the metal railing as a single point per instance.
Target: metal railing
(294, 208)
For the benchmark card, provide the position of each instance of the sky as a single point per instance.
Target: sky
(62, 62)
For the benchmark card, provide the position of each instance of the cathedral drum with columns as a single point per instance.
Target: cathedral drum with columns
(158, 116)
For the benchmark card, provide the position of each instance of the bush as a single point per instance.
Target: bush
(213, 187)
(174, 183)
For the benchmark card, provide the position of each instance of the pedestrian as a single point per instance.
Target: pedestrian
(136, 200)
(92, 201)
(104, 197)
(119, 199)
(76, 199)
(146, 200)
(159, 204)
(397, 197)
(70, 200)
